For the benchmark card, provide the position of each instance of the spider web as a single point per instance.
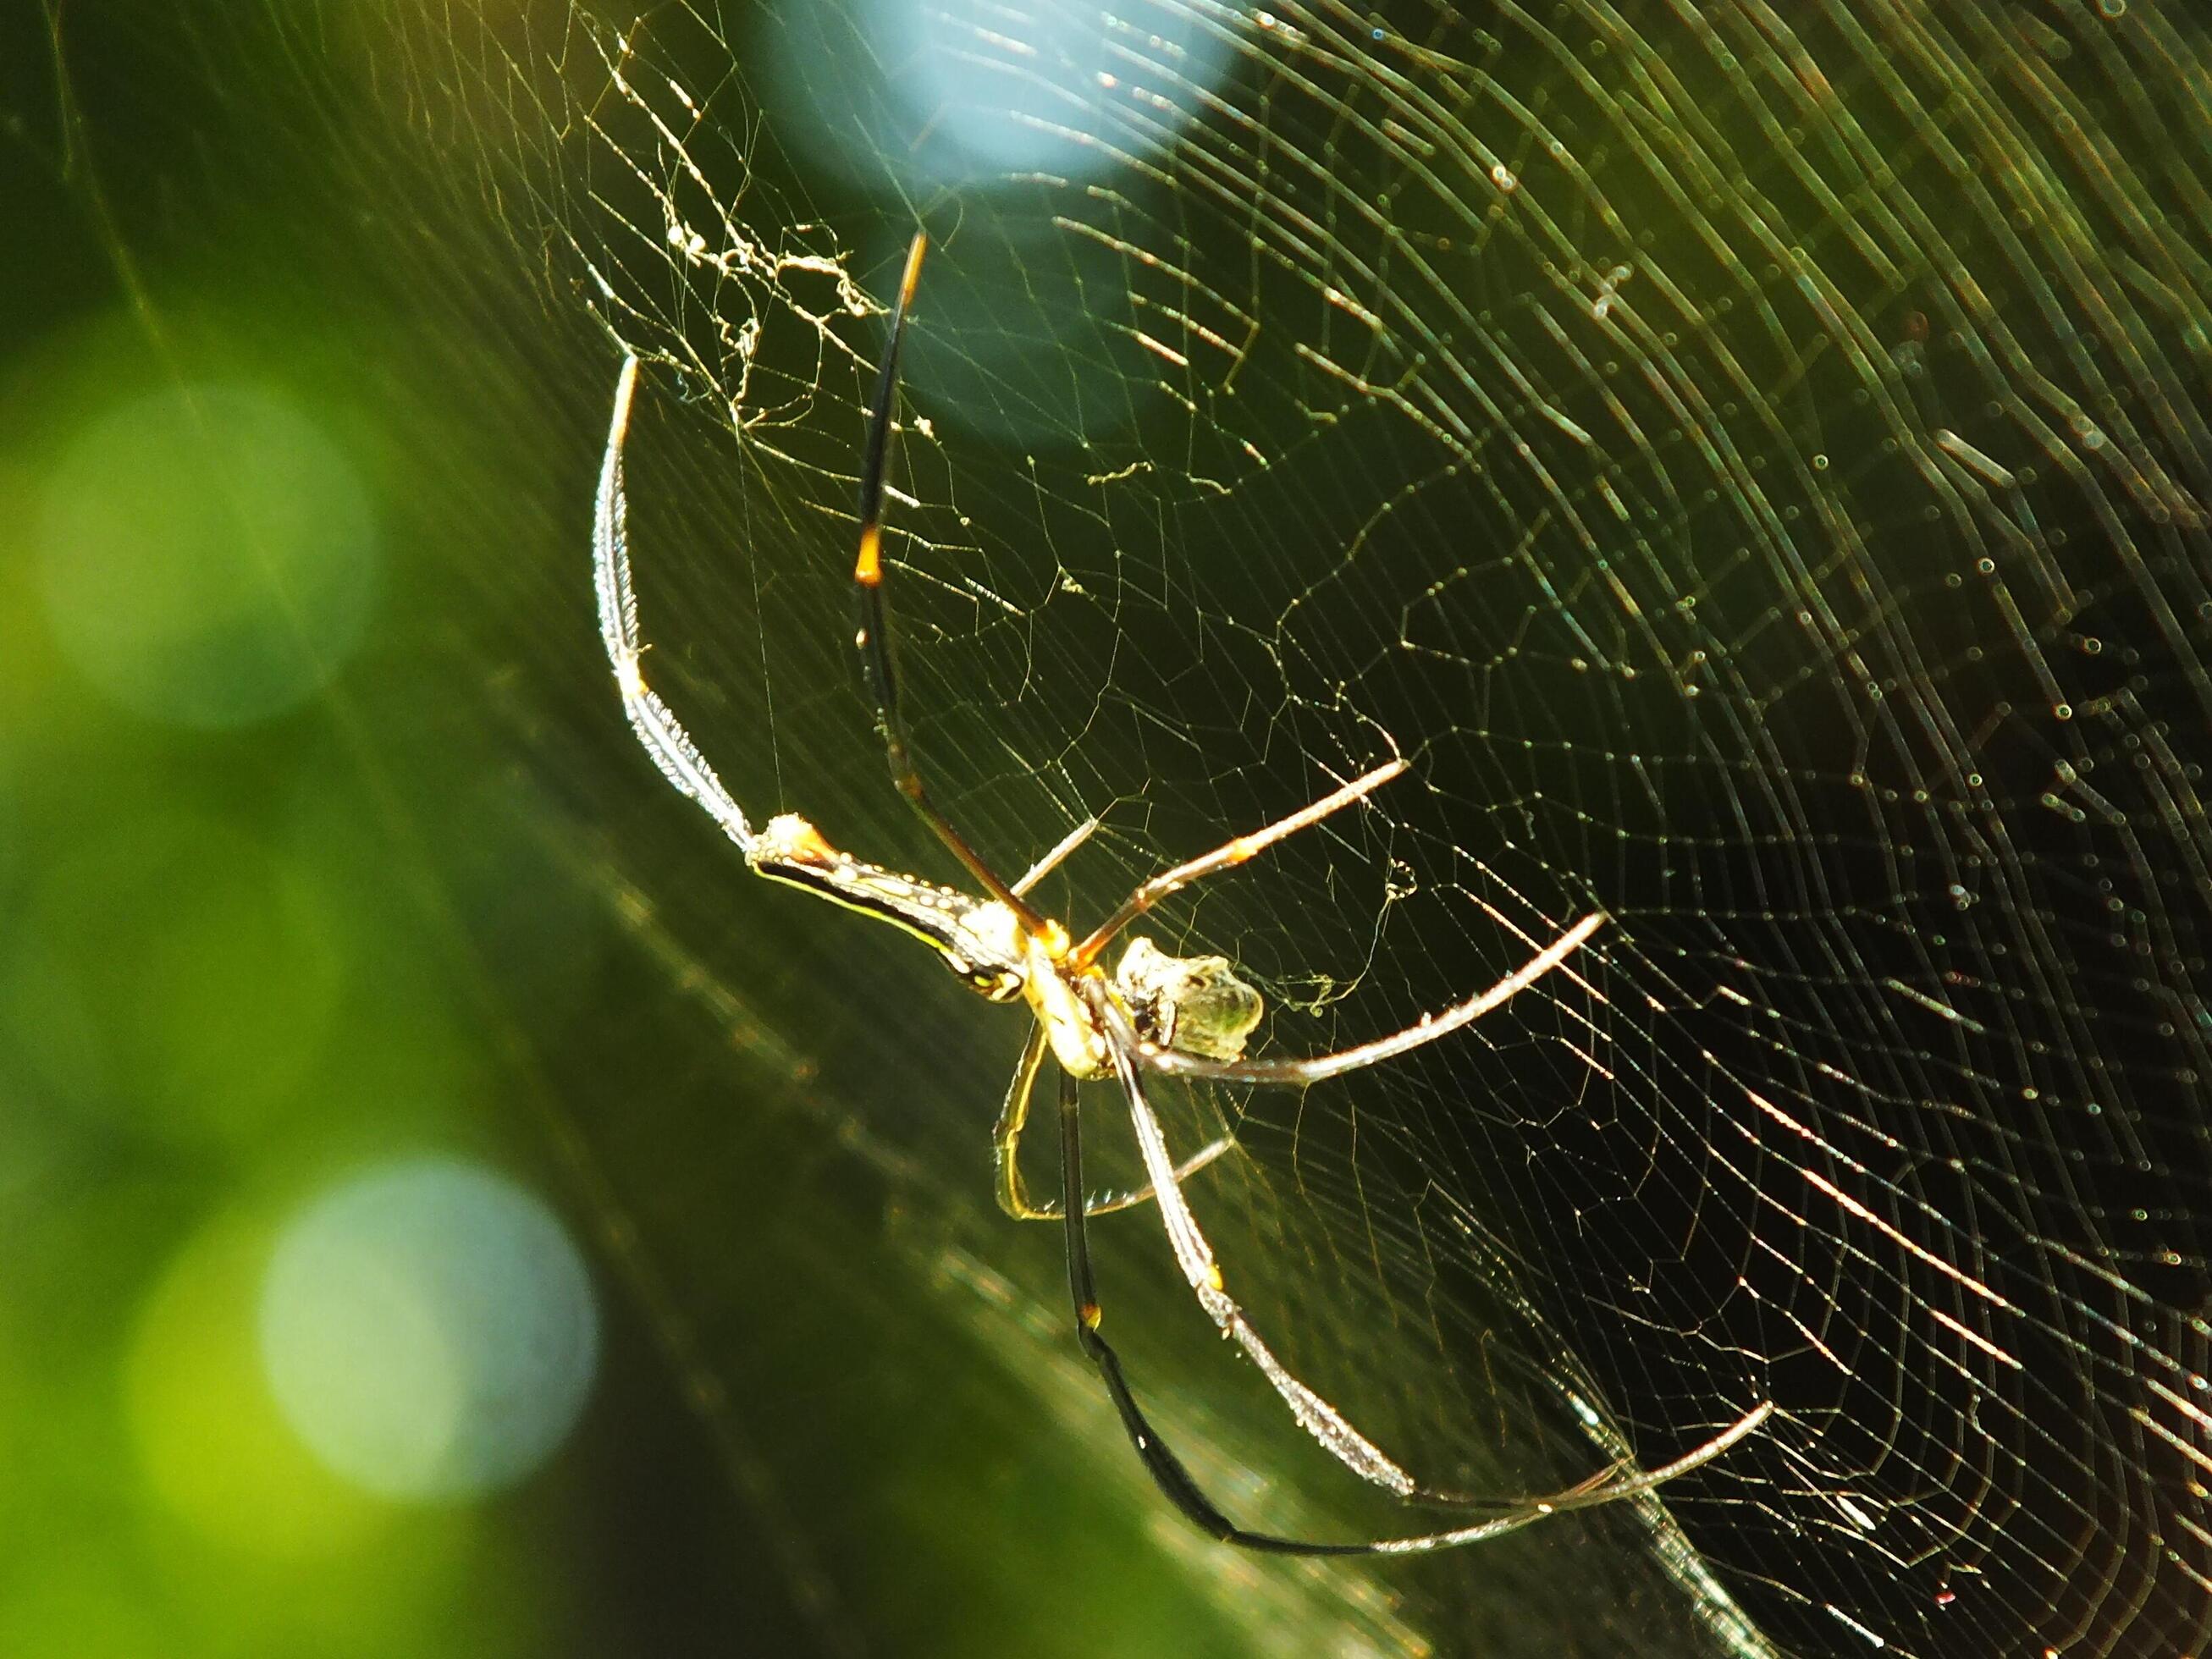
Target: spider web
(1751, 462)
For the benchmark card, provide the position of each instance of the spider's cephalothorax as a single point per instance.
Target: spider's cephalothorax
(1155, 1015)
(1195, 1004)
(980, 939)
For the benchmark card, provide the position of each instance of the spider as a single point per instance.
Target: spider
(1154, 1014)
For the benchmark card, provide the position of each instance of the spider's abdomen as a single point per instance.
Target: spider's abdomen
(1193, 1004)
(979, 938)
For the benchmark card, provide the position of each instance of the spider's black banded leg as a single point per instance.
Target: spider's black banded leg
(873, 636)
(1007, 1142)
(1160, 1461)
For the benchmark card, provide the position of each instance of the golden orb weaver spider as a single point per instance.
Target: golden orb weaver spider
(1175, 1016)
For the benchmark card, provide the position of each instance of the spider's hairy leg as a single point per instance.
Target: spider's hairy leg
(661, 734)
(873, 638)
(1196, 1256)
(1228, 855)
(1160, 1461)
(1329, 1426)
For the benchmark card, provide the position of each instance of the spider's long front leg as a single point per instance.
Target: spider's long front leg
(657, 727)
(1007, 1141)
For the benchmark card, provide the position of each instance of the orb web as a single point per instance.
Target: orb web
(1751, 460)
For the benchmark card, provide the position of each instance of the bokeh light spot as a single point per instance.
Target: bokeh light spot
(974, 90)
(208, 556)
(1048, 84)
(210, 1440)
(429, 1330)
